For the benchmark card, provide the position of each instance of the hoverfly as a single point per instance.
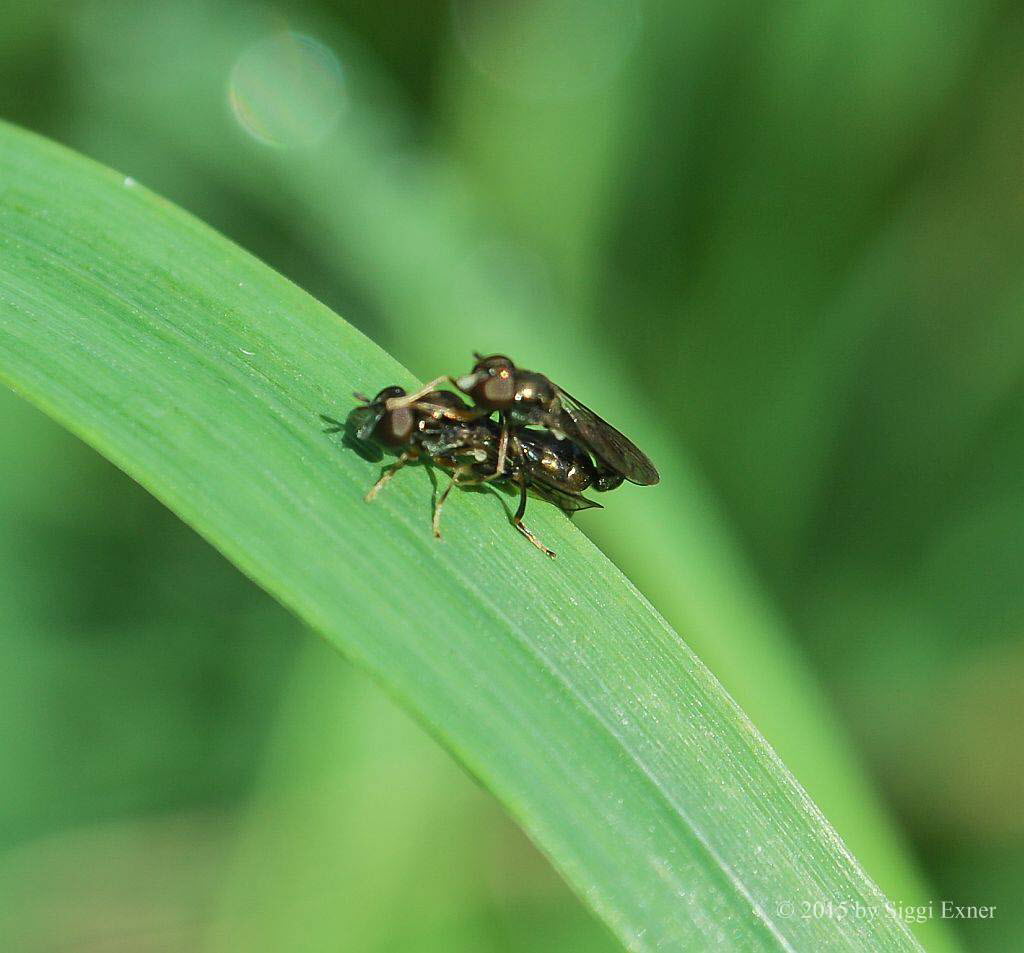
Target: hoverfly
(527, 399)
(554, 470)
(439, 429)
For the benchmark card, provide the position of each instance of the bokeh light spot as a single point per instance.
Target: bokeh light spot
(286, 90)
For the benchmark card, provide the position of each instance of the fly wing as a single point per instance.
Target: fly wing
(364, 420)
(567, 502)
(350, 431)
(333, 426)
(606, 443)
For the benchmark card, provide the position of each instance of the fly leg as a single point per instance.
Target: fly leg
(503, 444)
(517, 520)
(452, 413)
(394, 403)
(461, 476)
(388, 473)
(440, 503)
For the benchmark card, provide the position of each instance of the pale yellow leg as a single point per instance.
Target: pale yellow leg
(517, 520)
(394, 403)
(502, 447)
(386, 476)
(438, 505)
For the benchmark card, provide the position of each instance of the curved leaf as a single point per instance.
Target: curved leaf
(201, 373)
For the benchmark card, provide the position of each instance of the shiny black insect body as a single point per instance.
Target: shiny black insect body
(438, 428)
(437, 420)
(553, 470)
(525, 398)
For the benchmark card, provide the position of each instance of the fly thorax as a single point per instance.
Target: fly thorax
(497, 391)
(534, 390)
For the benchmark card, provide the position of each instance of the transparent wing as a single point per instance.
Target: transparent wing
(349, 430)
(612, 448)
(567, 502)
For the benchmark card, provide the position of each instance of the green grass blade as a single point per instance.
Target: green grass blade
(201, 373)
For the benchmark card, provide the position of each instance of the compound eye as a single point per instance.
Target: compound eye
(396, 427)
(493, 363)
(498, 391)
(388, 393)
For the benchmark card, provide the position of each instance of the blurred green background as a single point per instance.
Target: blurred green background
(780, 244)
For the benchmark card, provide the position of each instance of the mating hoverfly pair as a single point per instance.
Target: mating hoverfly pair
(544, 442)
